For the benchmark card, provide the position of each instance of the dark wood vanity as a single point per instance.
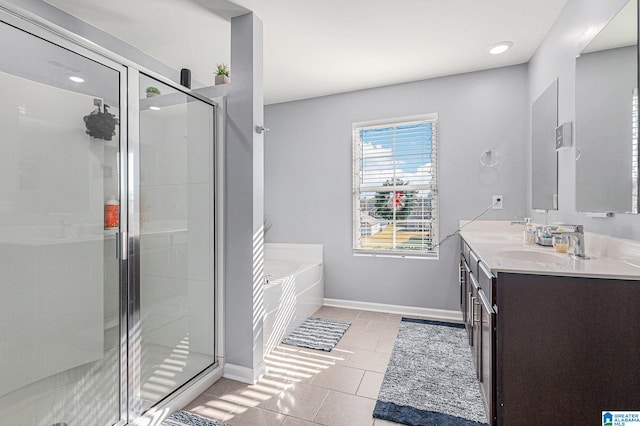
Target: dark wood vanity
(551, 349)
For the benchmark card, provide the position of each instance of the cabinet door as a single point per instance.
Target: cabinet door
(473, 315)
(486, 355)
(464, 283)
(565, 345)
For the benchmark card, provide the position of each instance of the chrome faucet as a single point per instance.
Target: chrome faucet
(578, 238)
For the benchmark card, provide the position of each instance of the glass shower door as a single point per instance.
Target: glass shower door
(175, 310)
(87, 337)
(59, 310)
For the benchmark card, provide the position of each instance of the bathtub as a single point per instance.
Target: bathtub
(293, 289)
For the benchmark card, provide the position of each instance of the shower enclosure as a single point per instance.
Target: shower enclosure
(107, 247)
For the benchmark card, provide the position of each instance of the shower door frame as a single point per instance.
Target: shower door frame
(128, 237)
(133, 238)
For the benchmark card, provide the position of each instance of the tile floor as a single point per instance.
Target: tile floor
(305, 387)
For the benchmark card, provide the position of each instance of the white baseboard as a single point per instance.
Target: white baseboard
(429, 313)
(244, 374)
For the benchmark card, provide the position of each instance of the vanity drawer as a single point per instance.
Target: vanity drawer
(486, 280)
(473, 263)
(465, 251)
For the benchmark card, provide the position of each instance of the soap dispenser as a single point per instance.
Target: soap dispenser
(529, 233)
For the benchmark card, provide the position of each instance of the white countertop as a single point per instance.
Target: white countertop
(500, 246)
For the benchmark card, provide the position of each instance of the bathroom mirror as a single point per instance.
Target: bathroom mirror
(544, 176)
(607, 117)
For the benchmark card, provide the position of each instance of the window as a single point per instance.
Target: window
(395, 187)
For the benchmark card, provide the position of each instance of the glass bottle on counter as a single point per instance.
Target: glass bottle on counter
(529, 234)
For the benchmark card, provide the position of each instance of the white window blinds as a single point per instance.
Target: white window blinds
(395, 188)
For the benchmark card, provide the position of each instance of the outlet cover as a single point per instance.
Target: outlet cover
(496, 202)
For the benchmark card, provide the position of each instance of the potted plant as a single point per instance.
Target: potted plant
(222, 74)
(152, 91)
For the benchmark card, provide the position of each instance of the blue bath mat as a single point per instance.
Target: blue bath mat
(430, 378)
(183, 418)
(317, 333)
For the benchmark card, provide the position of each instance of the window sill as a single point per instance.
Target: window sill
(429, 256)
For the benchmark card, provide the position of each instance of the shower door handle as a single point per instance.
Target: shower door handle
(121, 245)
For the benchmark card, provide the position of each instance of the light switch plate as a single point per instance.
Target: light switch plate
(563, 135)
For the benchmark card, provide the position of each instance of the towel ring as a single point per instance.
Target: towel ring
(489, 158)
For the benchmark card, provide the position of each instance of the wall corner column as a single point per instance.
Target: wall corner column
(244, 193)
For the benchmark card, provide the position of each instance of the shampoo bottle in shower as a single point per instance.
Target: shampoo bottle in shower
(111, 213)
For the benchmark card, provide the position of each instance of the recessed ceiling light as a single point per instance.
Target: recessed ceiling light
(501, 47)
(154, 108)
(76, 79)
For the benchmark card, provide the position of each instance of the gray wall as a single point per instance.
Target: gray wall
(556, 57)
(308, 176)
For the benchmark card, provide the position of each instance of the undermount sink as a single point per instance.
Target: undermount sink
(533, 256)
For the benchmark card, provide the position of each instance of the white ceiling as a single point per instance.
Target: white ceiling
(314, 48)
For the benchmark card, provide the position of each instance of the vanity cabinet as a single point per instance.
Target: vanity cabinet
(476, 291)
(552, 349)
(567, 348)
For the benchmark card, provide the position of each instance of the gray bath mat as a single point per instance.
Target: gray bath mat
(183, 418)
(317, 333)
(430, 378)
